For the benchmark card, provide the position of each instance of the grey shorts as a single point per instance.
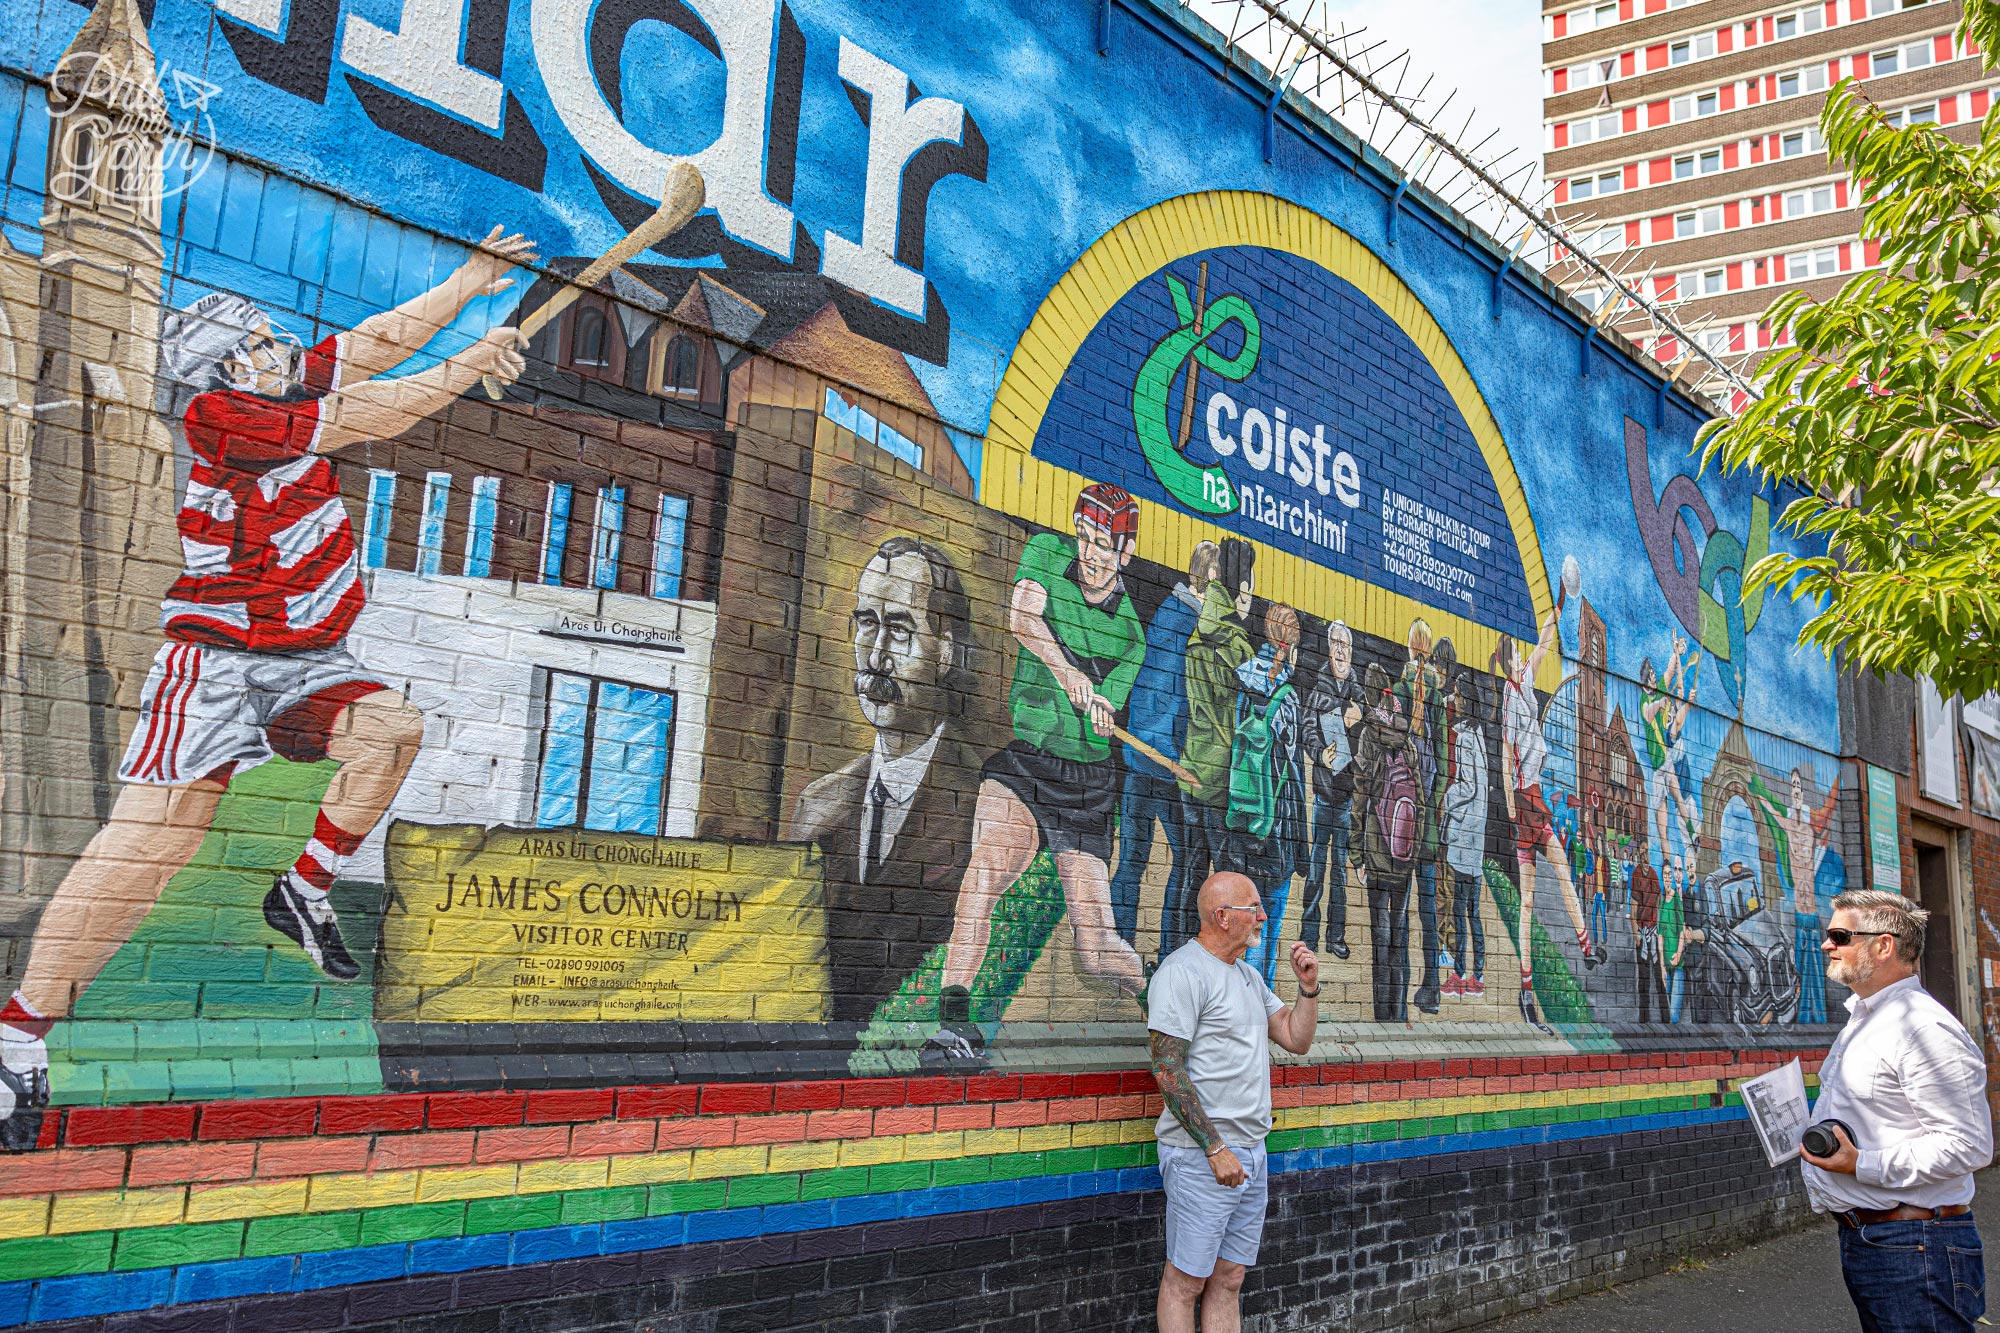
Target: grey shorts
(1205, 1221)
(212, 712)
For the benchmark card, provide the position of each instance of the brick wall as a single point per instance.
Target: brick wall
(739, 917)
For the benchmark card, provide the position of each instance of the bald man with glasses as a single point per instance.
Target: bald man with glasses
(1910, 1083)
(1211, 1018)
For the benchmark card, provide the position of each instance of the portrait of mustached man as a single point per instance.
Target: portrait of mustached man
(895, 823)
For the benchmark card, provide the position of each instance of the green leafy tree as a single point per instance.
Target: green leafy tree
(1885, 406)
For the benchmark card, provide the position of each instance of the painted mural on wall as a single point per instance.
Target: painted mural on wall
(478, 677)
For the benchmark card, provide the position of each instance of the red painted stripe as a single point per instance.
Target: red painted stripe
(149, 765)
(409, 1112)
(170, 756)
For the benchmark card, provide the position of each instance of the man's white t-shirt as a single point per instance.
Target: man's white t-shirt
(1223, 1011)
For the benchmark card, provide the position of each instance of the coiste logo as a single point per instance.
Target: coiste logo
(1275, 444)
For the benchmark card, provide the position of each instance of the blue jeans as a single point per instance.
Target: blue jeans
(1331, 823)
(1427, 916)
(1676, 992)
(1468, 926)
(1265, 953)
(1205, 839)
(1812, 969)
(1915, 1277)
(1147, 798)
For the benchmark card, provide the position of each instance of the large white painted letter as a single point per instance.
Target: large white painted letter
(732, 166)
(421, 58)
(895, 133)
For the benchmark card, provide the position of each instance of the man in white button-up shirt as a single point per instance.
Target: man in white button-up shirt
(1909, 1084)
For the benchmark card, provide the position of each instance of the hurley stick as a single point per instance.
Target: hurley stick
(1180, 774)
(684, 197)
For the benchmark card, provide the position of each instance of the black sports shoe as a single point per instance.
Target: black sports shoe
(1427, 999)
(1592, 956)
(1528, 1013)
(24, 1092)
(310, 924)
(1338, 948)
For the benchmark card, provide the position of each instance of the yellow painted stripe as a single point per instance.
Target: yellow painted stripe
(103, 1210)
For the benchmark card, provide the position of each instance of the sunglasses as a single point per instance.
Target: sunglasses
(1840, 939)
(1233, 907)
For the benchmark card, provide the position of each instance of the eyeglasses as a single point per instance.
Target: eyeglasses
(1234, 907)
(1840, 939)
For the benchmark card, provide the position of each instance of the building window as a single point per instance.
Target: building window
(607, 750)
(1799, 142)
(682, 367)
(1787, 26)
(430, 527)
(607, 533)
(480, 522)
(1714, 280)
(375, 523)
(1809, 80)
(592, 333)
(555, 531)
(1707, 104)
(1683, 225)
(1801, 203)
(1711, 161)
(1582, 187)
(1716, 341)
(1695, 48)
(1603, 239)
(1592, 17)
(1813, 263)
(670, 546)
(1684, 167)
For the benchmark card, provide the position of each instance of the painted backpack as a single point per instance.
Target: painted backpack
(1396, 805)
(1256, 770)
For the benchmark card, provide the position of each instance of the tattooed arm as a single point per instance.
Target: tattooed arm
(1170, 1071)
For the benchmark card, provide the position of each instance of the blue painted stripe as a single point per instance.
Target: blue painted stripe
(105, 1293)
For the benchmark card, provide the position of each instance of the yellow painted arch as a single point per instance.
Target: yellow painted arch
(1015, 482)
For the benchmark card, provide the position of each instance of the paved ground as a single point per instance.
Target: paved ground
(1788, 1285)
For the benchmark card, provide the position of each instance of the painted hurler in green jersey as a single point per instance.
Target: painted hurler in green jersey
(1057, 785)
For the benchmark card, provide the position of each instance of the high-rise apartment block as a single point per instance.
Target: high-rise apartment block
(1689, 129)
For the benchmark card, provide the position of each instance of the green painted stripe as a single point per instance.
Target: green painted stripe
(141, 1247)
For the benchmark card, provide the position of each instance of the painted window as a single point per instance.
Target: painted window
(670, 546)
(480, 522)
(555, 531)
(607, 533)
(592, 334)
(375, 523)
(430, 528)
(607, 751)
(683, 367)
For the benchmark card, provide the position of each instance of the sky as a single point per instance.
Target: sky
(1488, 51)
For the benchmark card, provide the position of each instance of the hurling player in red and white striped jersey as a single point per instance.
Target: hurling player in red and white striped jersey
(255, 662)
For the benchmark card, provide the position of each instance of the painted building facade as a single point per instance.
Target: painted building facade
(668, 814)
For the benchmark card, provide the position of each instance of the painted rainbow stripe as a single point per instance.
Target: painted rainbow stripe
(138, 1206)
